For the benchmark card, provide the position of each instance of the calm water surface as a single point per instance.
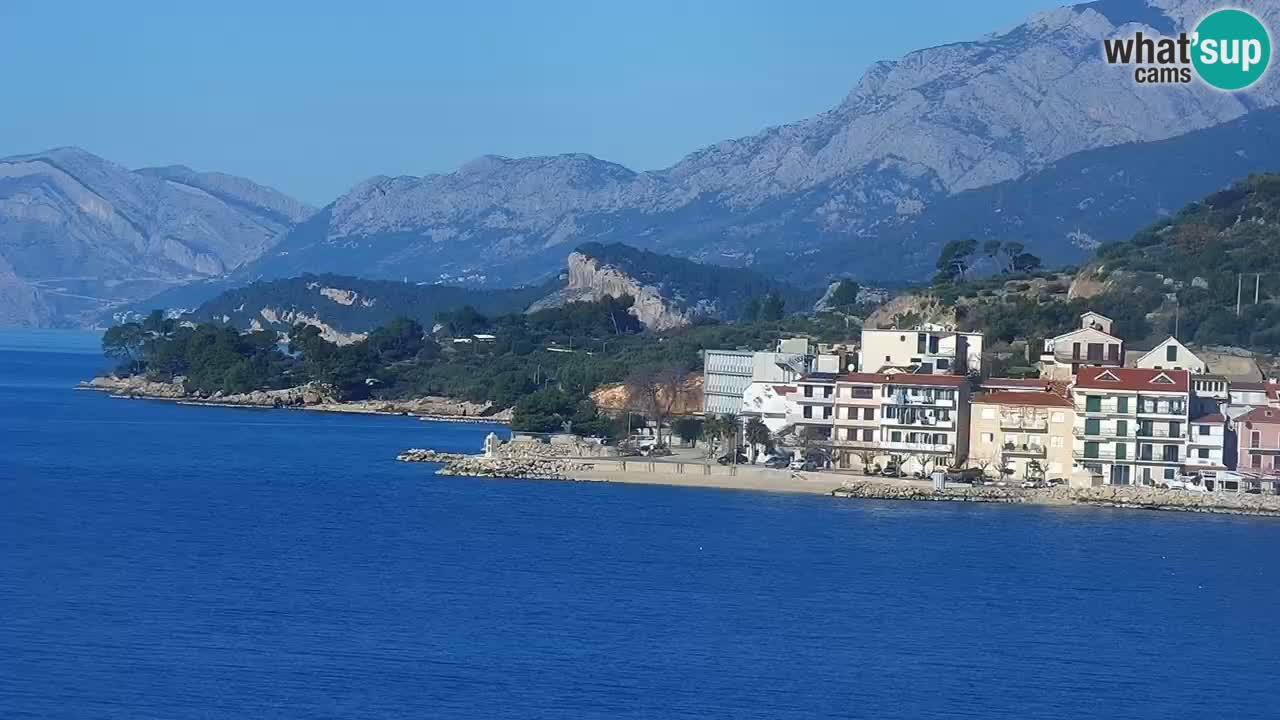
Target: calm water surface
(161, 561)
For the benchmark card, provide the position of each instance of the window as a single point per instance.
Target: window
(1093, 403)
(1091, 450)
(939, 439)
(1059, 417)
(868, 435)
(1202, 453)
(1170, 453)
(1122, 451)
(988, 438)
(808, 411)
(808, 391)
(826, 413)
(888, 359)
(1095, 352)
(1255, 439)
(1175, 430)
(920, 343)
(1168, 473)
(895, 436)
(863, 393)
(933, 345)
(1122, 428)
(1171, 353)
(1093, 426)
(1204, 429)
(1255, 462)
(943, 364)
(868, 413)
(1075, 351)
(1122, 405)
(1113, 352)
(826, 391)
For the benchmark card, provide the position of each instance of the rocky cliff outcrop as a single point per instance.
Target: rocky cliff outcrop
(590, 280)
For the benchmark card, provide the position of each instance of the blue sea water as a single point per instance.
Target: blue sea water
(165, 561)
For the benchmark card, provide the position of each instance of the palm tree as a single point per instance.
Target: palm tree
(757, 433)
(712, 431)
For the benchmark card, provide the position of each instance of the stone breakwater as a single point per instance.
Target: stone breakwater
(1130, 497)
(539, 468)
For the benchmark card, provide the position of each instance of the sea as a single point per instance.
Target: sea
(177, 562)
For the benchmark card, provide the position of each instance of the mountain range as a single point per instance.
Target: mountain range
(1025, 134)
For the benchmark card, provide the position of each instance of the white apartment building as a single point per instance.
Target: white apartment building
(811, 408)
(930, 349)
(924, 419)
(1131, 425)
(1208, 446)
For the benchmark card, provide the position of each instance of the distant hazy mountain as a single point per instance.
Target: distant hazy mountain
(852, 181)
(78, 233)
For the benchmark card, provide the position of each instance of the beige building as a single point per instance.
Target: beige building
(856, 425)
(931, 350)
(1025, 432)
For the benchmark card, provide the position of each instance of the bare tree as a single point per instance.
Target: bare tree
(657, 390)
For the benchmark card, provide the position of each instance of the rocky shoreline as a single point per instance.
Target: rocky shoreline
(311, 396)
(1127, 497)
(509, 465)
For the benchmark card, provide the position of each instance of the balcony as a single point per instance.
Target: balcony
(1080, 432)
(1159, 433)
(1020, 425)
(908, 401)
(1101, 455)
(1163, 411)
(921, 424)
(1158, 459)
(1024, 450)
(941, 448)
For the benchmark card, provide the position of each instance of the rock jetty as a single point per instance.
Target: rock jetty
(1130, 497)
(521, 461)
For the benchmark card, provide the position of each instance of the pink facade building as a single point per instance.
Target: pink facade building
(1258, 449)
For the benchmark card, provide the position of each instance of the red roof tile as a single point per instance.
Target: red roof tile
(1041, 398)
(905, 378)
(1210, 418)
(1261, 415)
(1099, 378)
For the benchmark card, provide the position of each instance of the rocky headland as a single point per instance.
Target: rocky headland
(310, 396)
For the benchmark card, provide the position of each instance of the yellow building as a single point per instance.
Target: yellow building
(1025, 431)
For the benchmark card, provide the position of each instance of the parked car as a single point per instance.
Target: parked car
(1036, 484)
(968, 476)
(778, 462)
(1055, 482)
(891, 470)
(800, 464)
(728, 458)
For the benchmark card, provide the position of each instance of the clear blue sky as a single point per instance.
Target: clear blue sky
(311, 97)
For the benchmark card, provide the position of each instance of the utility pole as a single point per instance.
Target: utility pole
(1257, 286)
(1239, 280)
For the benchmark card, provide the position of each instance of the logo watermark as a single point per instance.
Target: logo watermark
(1229, 50)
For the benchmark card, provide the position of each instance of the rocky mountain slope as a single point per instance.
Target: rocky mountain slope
(911, 134)
(79, 233)
(346, 308)
(668, 292)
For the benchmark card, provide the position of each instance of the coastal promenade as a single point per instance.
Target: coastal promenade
(692, 470)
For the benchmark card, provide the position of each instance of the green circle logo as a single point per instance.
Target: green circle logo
(1232, 49)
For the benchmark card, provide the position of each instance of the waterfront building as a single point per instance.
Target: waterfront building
(1258, 451)
(856, 421)
(1092, 345)
(926, 349)
(726, 375)
(1025, 433)
(924, 420)
(1131, 424)
(810, 409)
(1209, 451)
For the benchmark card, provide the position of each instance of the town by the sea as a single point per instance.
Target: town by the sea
(172, 561)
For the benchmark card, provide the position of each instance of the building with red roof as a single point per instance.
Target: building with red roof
(1131, 424)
